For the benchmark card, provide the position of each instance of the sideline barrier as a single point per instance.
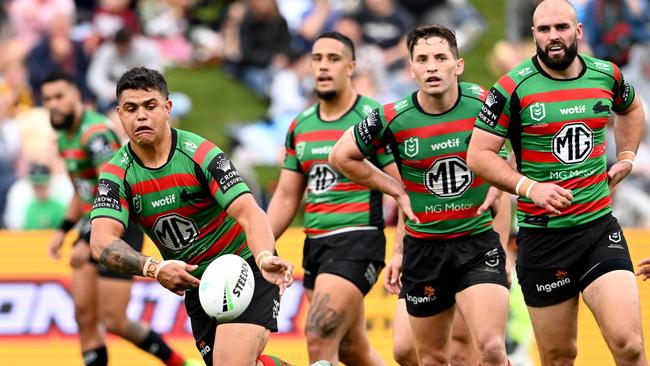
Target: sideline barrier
(37, 318)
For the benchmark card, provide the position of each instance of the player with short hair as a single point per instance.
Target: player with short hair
(452, 259)
(186, 195)
(345, 244)
(86, 143)
(554, 109)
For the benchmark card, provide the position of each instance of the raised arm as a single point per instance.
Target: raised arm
(116, 254)
(286, 200)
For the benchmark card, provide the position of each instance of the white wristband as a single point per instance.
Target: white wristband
(263, 255)
(519, 183)
(528, 190)
(152, 266)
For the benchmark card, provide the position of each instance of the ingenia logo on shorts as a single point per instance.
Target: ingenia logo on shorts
(562, 279)
(429, 295)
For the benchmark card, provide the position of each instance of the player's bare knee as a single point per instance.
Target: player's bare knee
(114, 322)
(562, 356)
(404, 355)
(491, 348)
(85, 315)
(433, 359)
(627, 348)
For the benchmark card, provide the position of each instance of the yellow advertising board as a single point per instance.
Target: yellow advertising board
(37, 316)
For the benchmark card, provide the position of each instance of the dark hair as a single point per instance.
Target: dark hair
(427, 31)
(347, 42)
(143, 79)
(123, 36)
(59, 75)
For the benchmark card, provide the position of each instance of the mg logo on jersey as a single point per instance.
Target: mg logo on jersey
(573, 143)
(411, 146)
(322, 178)
(448, 177)
(300, 149)
(175, 232)
(537, 111)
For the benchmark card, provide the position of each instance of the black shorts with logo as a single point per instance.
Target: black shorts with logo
(433, 271)
(357, 256)
(553, 265)
(263, 310)
(132, 236)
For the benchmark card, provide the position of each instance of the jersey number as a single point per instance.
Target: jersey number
(448, 177)
(573, 143)
(175, 232)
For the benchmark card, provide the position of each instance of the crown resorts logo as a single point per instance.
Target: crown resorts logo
(103, 189)
(224, 164)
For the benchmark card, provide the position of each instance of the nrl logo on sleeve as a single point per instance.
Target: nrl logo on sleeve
(300, 149)
(137, 203)
(190, 146)
(411, 146)
(537, 111)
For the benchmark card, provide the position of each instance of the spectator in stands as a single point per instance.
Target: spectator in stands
(44, 211)
(259, 42)
(10, 152)
(165, 23)
(57, 50)
(385, 24)
(613, 26)
(114, 58)
(30, 19)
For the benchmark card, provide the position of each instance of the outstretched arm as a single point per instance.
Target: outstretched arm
(348, 159)
(483, 159)
(260, 239)
(116, 254)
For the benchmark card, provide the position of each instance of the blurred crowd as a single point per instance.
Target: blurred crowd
(264, 44)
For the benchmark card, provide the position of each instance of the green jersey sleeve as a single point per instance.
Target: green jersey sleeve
(222, 177)
(369, 135)
(290, 159)
(111, 199)
(623, 91)
(494, 116)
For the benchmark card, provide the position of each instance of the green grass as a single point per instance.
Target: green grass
(217, 100)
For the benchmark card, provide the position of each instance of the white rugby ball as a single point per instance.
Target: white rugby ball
(227, 287)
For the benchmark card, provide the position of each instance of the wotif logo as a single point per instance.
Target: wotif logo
(446, 144)
(574, 110)
(167, 200)
(563, 279)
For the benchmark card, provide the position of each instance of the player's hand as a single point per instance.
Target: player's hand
(175, 276)
(617, 172)
(491, 201)
(277, 271)
(54, 249)
(392, 281)
(644, 269)
(551, 197)
(404, 202)
(80, 254)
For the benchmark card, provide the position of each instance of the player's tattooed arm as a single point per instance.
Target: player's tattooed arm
(120, 257)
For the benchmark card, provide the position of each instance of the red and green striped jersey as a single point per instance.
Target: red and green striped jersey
(432, 151)
(182, 205)
(334, 203)
(84, 152)
(557, 131)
